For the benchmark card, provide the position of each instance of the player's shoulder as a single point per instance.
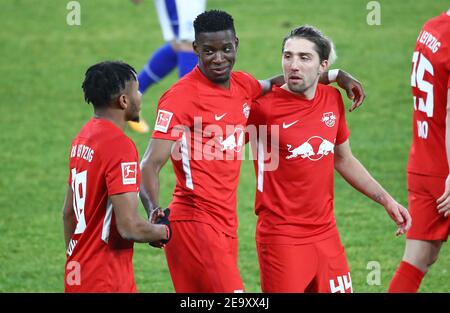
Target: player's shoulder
(330, 96)
(183, 90)
(439, 24)
(275, 93)
(328, 90)
(114, 139)
(242, 76)
(105, 138)
(120, 140)
(117, 146)
(441, 18)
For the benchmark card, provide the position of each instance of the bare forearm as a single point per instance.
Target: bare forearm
(69, 227)
(276, 80)
(360, 179)
(140, 230)
(267, 84)
(149, 190)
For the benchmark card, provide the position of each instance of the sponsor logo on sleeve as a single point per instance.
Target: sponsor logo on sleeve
(163, 120)
(129, 173)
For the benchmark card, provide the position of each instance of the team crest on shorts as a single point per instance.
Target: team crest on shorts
(329, 119)
(246, 110)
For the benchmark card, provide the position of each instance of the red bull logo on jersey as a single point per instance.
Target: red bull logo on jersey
(314, 149)
(233, 142)
(329, 119)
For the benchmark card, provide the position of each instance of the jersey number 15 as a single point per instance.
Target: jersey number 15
(420, 66)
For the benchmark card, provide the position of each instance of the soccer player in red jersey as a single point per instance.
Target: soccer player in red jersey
(100, 215)
(200, 124)
(429, 158)
(299, 248)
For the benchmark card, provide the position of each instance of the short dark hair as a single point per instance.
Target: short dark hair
(213, 21)
(323, 45)
(105, 80)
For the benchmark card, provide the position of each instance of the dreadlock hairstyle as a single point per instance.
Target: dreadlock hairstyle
(213, 21)
(105, 80)
(323, 45)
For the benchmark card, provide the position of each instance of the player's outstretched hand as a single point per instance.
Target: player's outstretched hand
(443, 203)
(399, 215)
(352, 87)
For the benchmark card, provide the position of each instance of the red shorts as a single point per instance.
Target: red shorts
(427, 223)
(316, 267)
(202, 259)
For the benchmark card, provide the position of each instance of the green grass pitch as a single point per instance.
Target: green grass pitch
(43, 61)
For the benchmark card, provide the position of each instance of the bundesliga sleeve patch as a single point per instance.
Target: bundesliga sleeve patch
(129, 173)
(163, 120)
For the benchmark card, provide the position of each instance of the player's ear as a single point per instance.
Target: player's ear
(195, 47)
(323, 66)
(236, 42)
(123, 101)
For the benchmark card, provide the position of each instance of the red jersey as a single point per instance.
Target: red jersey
(208, 122)
(294, 202)
(430, 80)
(103, 162)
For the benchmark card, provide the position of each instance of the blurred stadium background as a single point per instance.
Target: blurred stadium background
(43, 61)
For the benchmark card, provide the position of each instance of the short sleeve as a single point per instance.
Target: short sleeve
(343, 132)
(257, 114)
(122, 172)
(173, 115)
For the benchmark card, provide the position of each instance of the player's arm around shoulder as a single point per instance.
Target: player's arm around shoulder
(344, 80)
(359, 178)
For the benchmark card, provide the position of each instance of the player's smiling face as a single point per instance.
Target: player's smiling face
(302, 66)
(217, 54)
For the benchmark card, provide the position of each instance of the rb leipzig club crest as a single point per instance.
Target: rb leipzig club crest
(329, 119)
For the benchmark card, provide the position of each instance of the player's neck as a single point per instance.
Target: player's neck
(111, 116)
(308, 94)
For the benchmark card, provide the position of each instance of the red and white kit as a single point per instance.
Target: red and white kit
(103, 162)
(298, 243)
(208, 123)
(428, 166)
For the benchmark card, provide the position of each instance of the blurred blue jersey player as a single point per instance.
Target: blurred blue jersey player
(176, 18)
